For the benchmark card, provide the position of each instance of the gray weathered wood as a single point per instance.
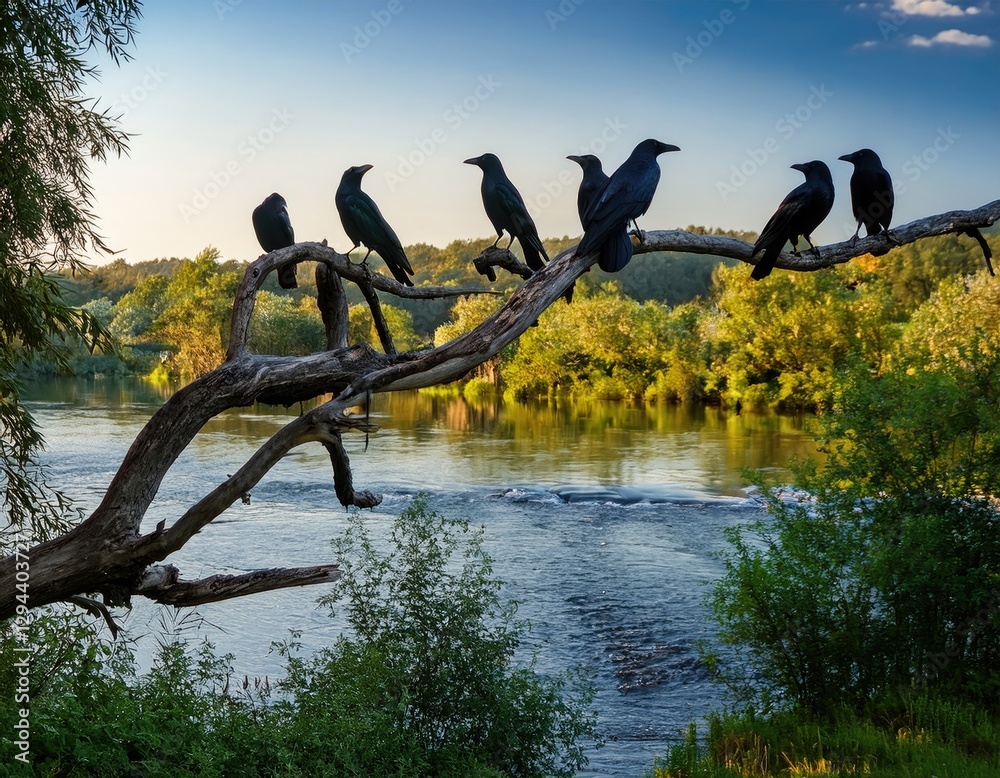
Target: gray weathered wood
(107, 553)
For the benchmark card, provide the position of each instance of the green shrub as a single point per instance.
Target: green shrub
(426, 683)
(427, 679)
(886, 579)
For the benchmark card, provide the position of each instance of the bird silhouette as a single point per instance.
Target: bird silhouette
(506, 210)
(624, 197)
(872, 198)
(594, 179)
(363, 222)
(801, 212)
(274, 231)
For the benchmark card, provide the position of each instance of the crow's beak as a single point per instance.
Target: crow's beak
(365, 168)
(576, 159)
(801, 167)
(847, 158)
(471, 161)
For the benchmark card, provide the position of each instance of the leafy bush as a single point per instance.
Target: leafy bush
(427, 681)
(91, 715)
(886, 579)
(425, 684)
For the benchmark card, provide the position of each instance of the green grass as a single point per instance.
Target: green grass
(930, 737)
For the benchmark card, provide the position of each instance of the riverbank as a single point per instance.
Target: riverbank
(927, 737)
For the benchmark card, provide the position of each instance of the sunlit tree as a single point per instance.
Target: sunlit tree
(282, 326)
(778, 343)
(195, 317)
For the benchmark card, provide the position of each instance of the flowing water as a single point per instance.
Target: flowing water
(603, 519)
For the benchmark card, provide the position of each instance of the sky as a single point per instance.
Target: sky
(230, 100)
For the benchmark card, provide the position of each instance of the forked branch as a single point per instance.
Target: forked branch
(108, 554)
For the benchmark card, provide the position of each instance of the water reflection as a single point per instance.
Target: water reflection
(436, 441)
(599, 442)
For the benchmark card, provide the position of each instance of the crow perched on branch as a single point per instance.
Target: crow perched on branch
(274, 231)
(799, 214)
(506, 210)
(625, 197)
(594, 179)
(364, 223)
(872, 197)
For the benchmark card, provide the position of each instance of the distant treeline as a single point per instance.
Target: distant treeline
(668, 277)
(670, 327)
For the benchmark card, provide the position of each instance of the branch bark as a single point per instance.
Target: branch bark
(162, 583)
(107, 553)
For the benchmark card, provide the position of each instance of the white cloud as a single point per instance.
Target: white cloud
(932, 8)
(954, 37)
(866, 45)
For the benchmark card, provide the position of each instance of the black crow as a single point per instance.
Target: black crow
(594, 179)
(625, 197)
(506, 210)
(274, 231)
(799, 214)
(871, 192)
(364, 223)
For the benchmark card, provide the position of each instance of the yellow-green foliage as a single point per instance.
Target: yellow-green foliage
(779, 341)
(282, 326)
(466, 315)
(603, 346)
(195, 314)
(959, 320)
(361, 327)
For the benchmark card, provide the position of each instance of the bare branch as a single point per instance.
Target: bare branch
(322, 424)
(453, 360)
(833, 254)
(257, 271)
(503, 258)
(976, 235)
(162, 583)
(381, 326)
(106, 553)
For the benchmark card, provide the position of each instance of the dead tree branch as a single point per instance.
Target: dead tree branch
(162, 583)
(381, 325)
(332, 302)
(107, 552)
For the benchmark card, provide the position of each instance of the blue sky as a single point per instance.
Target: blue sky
(230, 100)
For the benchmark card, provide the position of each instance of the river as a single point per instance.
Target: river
(602, 518)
